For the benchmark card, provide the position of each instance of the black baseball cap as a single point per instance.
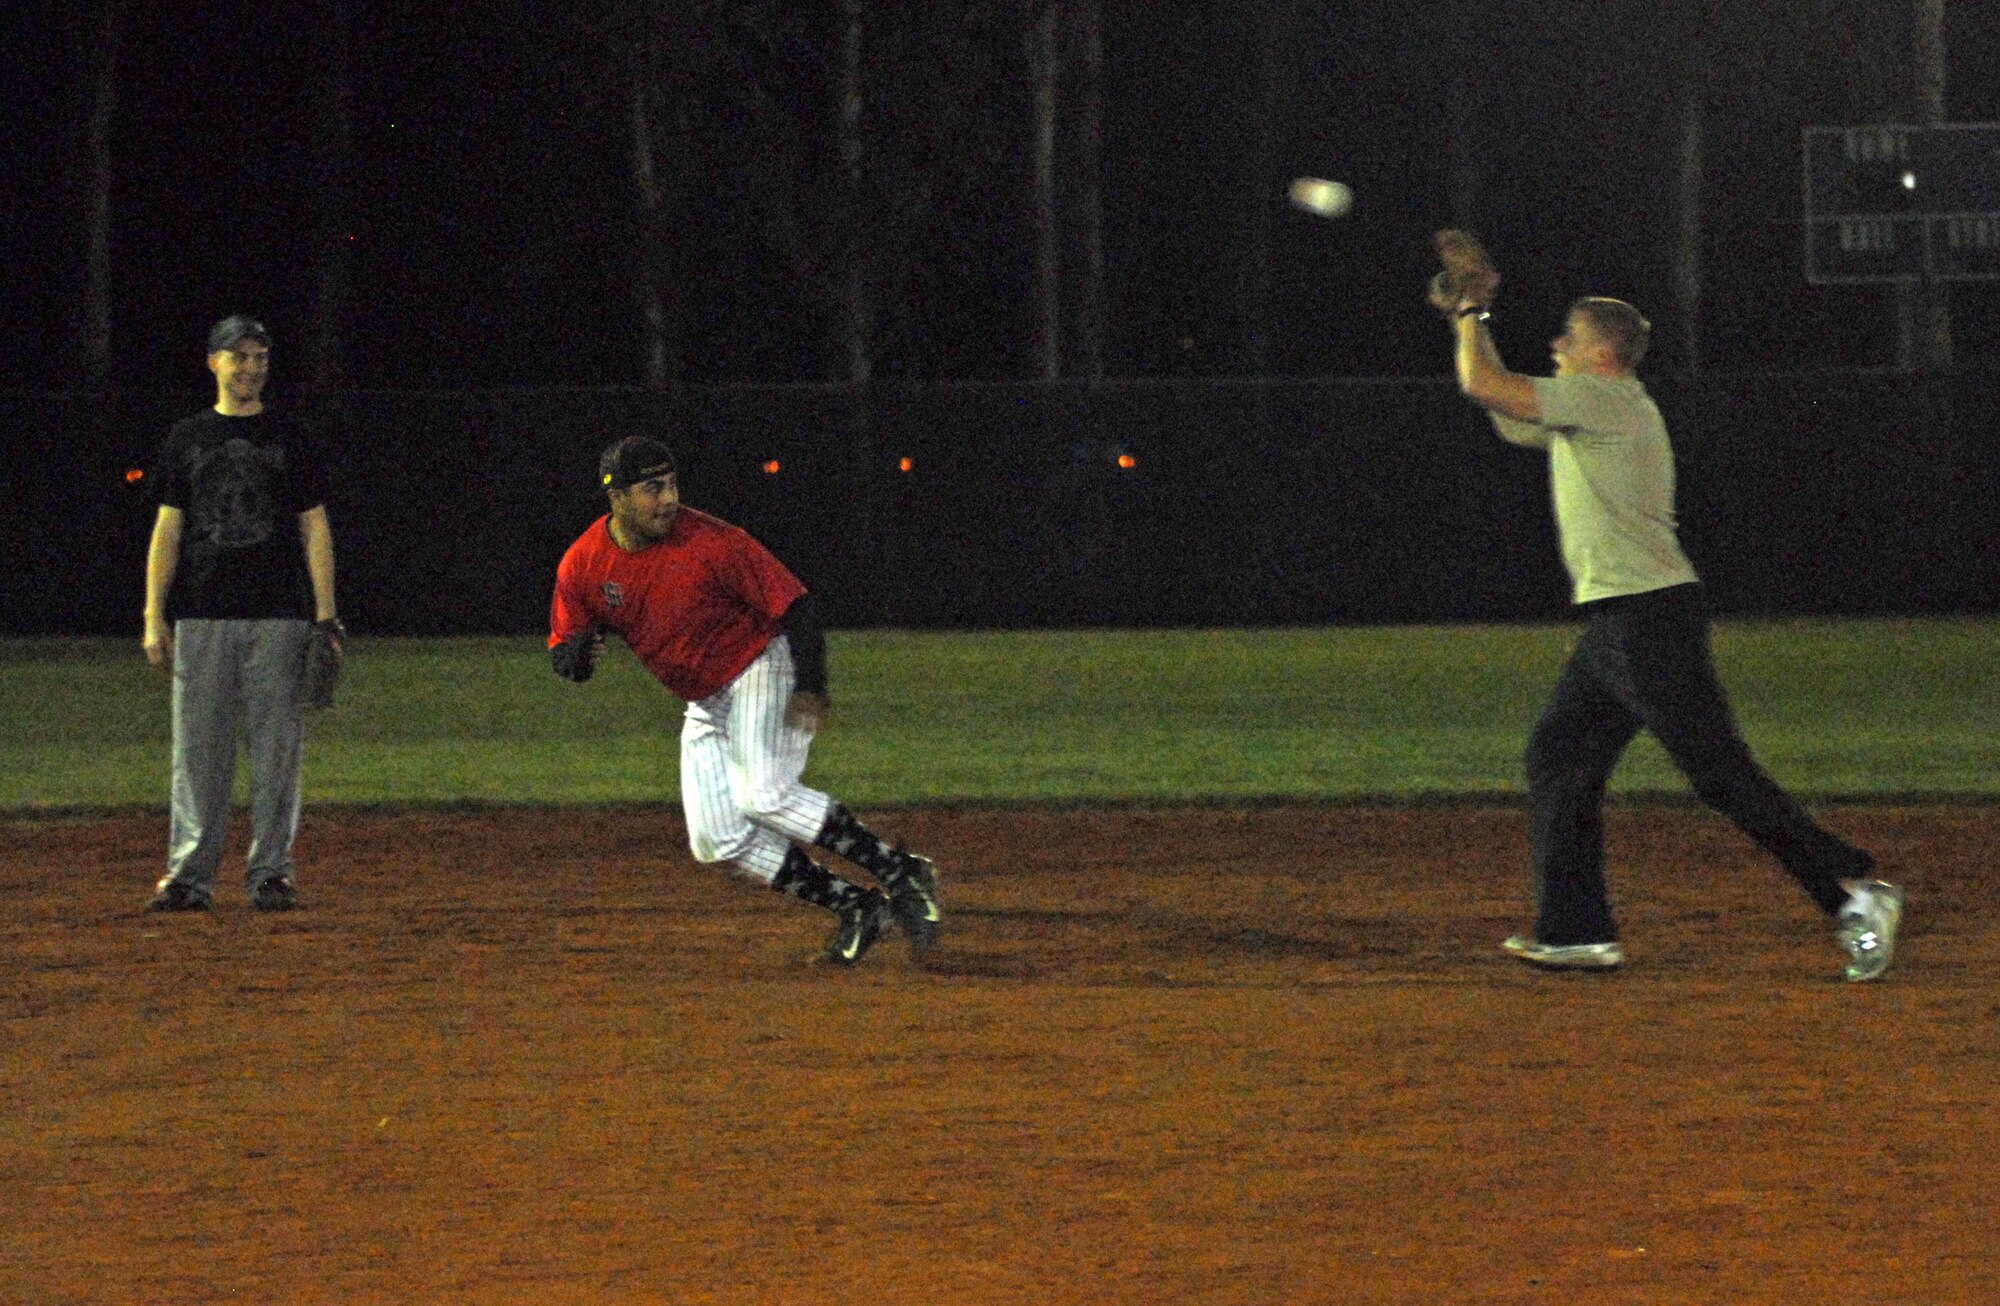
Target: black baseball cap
(234, 330)
(632, 460)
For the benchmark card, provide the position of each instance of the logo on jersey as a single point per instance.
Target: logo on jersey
(235, 500)
(614, 594)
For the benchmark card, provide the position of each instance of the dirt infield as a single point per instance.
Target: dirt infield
(1261, 1055)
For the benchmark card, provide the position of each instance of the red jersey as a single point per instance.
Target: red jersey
(697, 607)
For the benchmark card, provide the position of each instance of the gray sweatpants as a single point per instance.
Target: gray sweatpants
(230, 675)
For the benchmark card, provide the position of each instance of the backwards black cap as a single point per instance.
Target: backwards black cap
(632, 460)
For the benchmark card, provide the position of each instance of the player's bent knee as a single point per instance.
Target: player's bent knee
(709, 849)
(768, 807)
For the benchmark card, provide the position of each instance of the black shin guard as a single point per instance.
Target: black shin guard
(805, 879)
(847, 837)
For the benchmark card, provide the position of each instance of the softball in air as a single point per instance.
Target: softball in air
(1328, 199)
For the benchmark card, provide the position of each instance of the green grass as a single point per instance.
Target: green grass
(1833, 708)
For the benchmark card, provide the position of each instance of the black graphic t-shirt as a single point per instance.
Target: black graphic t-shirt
(241, 483)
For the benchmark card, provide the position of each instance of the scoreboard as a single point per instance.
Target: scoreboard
(1902, 202)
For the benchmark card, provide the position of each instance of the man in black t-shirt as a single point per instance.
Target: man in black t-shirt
(241, 564)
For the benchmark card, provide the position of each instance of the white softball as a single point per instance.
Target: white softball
(1328, 199)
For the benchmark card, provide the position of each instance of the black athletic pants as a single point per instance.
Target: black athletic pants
(1643, 661)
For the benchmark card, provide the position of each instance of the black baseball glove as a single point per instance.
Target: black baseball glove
(326, 653)
(576, 657)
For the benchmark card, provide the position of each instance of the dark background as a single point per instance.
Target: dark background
(1277, 503)
(1300, 456)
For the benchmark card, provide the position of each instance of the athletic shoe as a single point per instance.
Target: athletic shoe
(172, 895)
(1567, 956)
(914, 901)
(1867, 927)
(861, 923)
(275, 894)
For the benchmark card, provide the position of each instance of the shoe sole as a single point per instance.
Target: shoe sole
(1578, 956)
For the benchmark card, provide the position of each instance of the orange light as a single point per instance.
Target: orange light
(1127, 461)
(906, 464)
(772, 467)
(136, 474)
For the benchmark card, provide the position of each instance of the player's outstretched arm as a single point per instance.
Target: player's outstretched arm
(1485, 380)
(1462, 292)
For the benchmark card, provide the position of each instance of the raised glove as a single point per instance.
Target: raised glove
(326, 652)
(1468, 277)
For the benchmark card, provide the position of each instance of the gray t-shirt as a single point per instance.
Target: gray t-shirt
(1611, 470)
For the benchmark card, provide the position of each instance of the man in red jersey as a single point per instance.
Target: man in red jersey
(727, 628)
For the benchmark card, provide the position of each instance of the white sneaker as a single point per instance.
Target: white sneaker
(1567, 956)
(1867, 927)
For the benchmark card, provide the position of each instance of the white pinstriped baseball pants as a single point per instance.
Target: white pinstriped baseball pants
(740, 769)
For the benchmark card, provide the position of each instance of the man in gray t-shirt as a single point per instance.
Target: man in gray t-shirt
(1643, 659)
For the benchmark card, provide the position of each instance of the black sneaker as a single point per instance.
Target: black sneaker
(860, 925)
(275, 894)
(914, 900)
(172, 895)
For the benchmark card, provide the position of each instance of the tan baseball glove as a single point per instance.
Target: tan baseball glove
(1468, 276)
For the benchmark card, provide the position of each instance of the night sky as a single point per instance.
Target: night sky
(493, 207)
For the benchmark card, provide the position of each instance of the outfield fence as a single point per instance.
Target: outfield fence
(1156, 503)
